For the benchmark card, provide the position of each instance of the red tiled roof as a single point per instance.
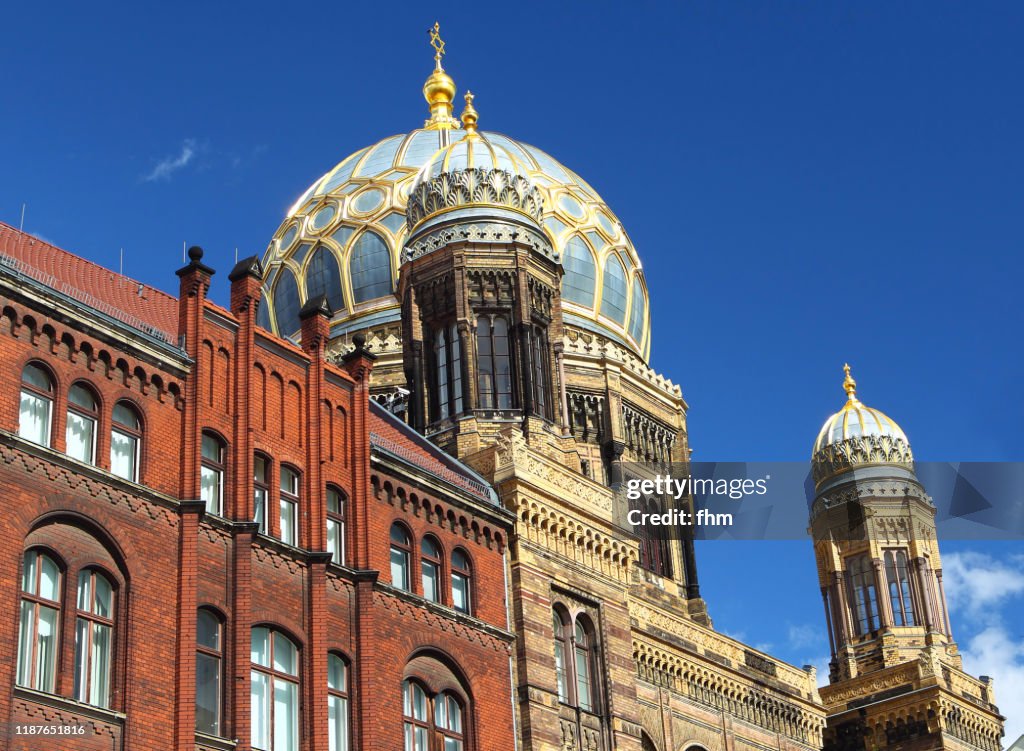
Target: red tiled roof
(395, 437)
(138, 305)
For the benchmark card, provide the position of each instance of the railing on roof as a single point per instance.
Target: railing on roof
(442, 471)
(83, 297)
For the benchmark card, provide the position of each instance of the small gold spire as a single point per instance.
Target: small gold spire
(469, 115)
(439, 90)
(849, 385)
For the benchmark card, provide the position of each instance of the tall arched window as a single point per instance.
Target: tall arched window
(447, 372)
(261, 490)
(80, 432)
(401, 551)
(370, 268)
(289, 503)
(636, 311)
(448, 721)
(337, 703)
(582, 662)
(335, 525)
(461, 581)
(125, 441)
(275, 691)
(863, 592)
(613, 290)
(541, 371)
(211, 472)
(39, 623)
(494, 363)
(430, 568)
(36, 410)
(209, 653)
(415, 714)
(324, 278)
(561, 656)
(580, 277)
(94, 638)
(898, 584)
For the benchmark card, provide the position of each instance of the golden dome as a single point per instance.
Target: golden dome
(858, 434)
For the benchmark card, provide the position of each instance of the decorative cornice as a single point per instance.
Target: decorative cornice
(481, 232)
(852, 452)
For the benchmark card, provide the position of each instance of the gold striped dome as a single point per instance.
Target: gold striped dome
(857, 420)
(343, 237)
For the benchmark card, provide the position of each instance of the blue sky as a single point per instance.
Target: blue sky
(807, 184)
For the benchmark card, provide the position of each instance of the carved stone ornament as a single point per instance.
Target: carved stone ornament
(872, 449)
(466, 187)
(483, 232)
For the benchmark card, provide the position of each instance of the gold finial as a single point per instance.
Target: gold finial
(437, 43)
(469, 115)
(439, 90)
(849, 385)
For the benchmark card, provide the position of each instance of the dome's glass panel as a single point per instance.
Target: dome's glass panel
(342, 235)
(514, 148)
(286, 303)
(580, 273)
(380, 158)
(458, 157)
(421, 147)
(263, 316)
(606, 224)
(370, 268)
(555, 226)
(368, 200)
(288, 238)
(613, 297)
(300, 255)
(596, 241)
(549, 165)
(394, 222)
(571, 206)
(324, 278)
(323, 217)
(343, 173)
(636, 312)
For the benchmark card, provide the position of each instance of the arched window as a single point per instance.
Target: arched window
(580, 277)
(447, 370)
(461, 578)
(898, 584)
(125, 441)
(561, 656)
(209, 680)
(286, 303)
(582, 643)
(94, 638)
(370, 268)
(323, 278)
(448, 721)
(40, 622)
(275, 691)
(541, 371)
(211, 473)
(337, 703)
(864, 596)
(494, 363)
(336, 524)
(261, 490)
(289, 505)
(636, 311)
(34, 417)
(401, 551)
(430, 568)
(80, 432)
(575, 660)
(613, 290)
(416, 715)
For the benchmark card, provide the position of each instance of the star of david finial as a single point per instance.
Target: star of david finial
(436, 42)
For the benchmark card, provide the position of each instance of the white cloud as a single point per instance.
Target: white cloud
(980, 586)
(805, 635)
(169, 165)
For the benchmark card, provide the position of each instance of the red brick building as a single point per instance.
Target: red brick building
(216, 540)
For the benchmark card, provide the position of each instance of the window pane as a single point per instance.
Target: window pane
(286, 303)
(36, 376)
(125, 415)
(207, 694)
(580, 273)
(79, 437)
(210, 482)
(260, 508)
(212, 448)
(334, 540)
(259, 650)
(337, 673)
(99, 693)
(287, 522)
(46, 649)
(419, 703)
(84, 591)
(80, 396)
(398, 535)
(429, 576)
(460, 593)
(563, 693)
(208, 630)
(324, 278)
(613, 293)
(81, 659)
(399, 568)
(337, 723)
(285, 655)
(28, 572)
(260, 710)
(370, 268)
(289, 481)
(636, 311)
(34, 419)
(286, 715)
(49, 578)
(583, 679)
(123, 452)
(103, 598)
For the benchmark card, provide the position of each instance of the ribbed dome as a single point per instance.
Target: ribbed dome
(345, 235)
(858, 435)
